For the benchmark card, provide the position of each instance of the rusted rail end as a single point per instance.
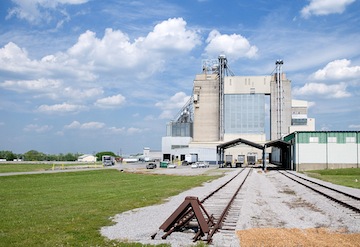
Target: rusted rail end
(191, 209)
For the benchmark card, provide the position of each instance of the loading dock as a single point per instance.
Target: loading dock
(220, 150)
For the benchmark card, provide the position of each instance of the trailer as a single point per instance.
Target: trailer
(228, 160)
(251, 159)
(240, 160)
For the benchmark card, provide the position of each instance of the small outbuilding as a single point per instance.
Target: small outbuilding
(87, 158)
(316, 150)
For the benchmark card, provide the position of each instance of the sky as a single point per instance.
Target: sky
(85, 76)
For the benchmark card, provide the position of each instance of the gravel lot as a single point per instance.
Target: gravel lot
(275, 212)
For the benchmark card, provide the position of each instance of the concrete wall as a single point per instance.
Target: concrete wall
(206, 108)
(247, 85)
(167, 142)
(285, 123)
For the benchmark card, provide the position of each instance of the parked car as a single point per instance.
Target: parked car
(203, 164)
(194, 165)
(151, 166)
(171, 166)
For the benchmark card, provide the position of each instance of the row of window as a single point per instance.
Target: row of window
(332, 139)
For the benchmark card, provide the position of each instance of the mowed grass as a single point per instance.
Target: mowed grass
(349, 177)
(23, 167)
(68, 209)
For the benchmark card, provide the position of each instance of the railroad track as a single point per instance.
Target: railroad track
(216, 213)
(341, 198)
(225, 207)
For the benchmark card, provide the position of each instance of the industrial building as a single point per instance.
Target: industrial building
(317, 150)
(224, 107)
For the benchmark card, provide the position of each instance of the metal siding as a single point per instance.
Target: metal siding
(340, 153)
(311, 153)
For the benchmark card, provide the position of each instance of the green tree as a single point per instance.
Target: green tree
(34, 155)
(8, 155)
(101, 154)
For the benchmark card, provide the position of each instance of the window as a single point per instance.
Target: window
(313, 139)
(332, 139)
(350, 139)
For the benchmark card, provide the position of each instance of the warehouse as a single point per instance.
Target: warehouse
(312, 150)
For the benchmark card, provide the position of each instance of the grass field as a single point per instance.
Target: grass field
(28, 167)
(348, 177)
(68, 209)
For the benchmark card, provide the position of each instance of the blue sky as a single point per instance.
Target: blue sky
(89, 75)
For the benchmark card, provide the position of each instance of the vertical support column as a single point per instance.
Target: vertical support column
(264, 158)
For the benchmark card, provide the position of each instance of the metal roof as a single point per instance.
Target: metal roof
(237, 142)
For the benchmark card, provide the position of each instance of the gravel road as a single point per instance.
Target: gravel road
(271, 202)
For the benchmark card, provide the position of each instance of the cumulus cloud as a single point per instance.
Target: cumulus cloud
(92, 125)
(91, 56)
(39, 85)
(111, 102)
(354, 126)
(15, 59)
(85, 126)
(235, 46)
(115, 50)
(35, 11)
(321, 89)
(127, 131)
(171, 35)
(116, 130)
(60, 108)
(172, 105)
(37, 128)
(337, 70)
(325, 7)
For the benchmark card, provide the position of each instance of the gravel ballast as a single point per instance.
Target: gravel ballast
(271, 201)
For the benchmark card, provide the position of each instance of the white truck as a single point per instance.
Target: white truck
(191, 158)
(108, 160)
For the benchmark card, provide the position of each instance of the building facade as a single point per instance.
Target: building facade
(317, 150)
(226, 107)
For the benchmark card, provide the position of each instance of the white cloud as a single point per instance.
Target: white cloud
(171, 35)
(337, 70)
(325, 7)
(117, 130)
(92, 125)
(354, 126)
(234, 46)
(127, 131)
(37, 128)
(171, 106)
(111, 102)
(15, 59)
(133, 130)
(73, 125)
(327, 91)
(88, 125)
(60, 108)
(39, 85)
(34, 11)
(115, 51)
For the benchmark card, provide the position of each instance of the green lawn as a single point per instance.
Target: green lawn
(348, 177)
(68, 209)
(9, 167)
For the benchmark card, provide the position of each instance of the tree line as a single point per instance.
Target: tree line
(34, 155)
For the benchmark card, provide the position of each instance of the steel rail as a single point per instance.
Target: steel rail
(357, 210)
(222, 186)
(327, 187)
(218, 225)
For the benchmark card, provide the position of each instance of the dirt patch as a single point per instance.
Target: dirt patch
(319, 237)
